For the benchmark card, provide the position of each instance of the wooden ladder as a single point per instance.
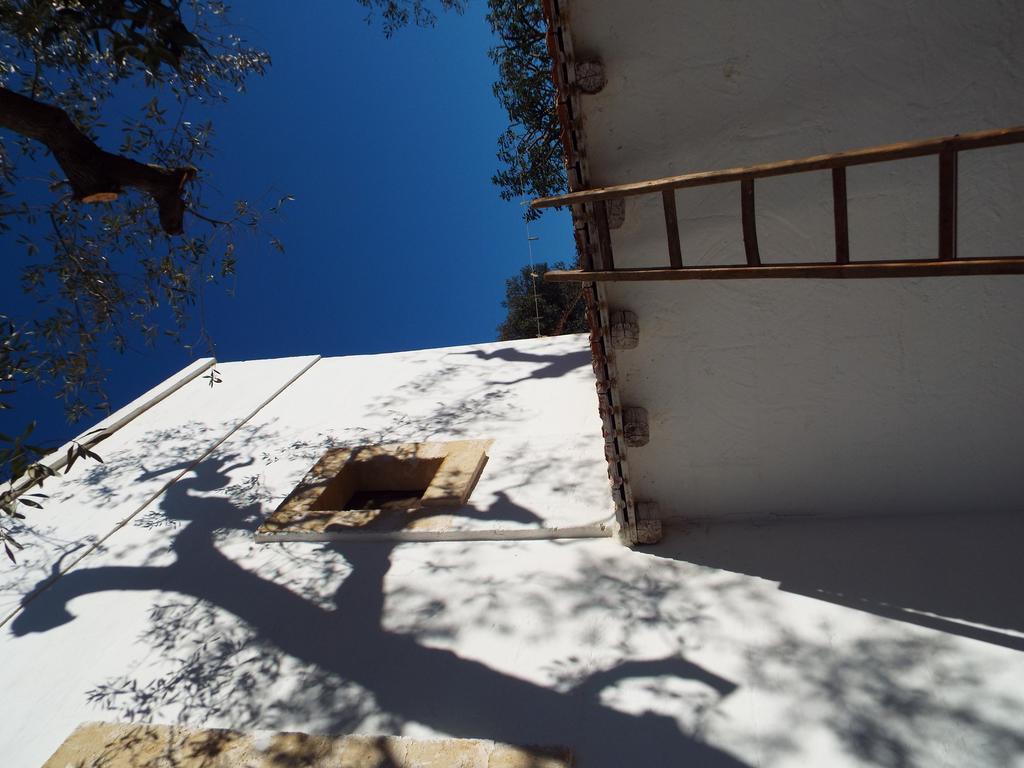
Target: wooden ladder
(592, 204)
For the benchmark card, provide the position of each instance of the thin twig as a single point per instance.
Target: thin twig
(216, 222)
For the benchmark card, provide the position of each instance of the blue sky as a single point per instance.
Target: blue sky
(396, 239)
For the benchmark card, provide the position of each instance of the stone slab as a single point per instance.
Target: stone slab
(123, 745)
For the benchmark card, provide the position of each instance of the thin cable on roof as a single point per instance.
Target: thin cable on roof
(533, 271)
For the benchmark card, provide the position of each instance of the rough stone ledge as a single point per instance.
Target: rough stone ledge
(121, 745)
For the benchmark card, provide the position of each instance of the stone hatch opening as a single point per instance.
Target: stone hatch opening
(383, 499)
(379, 482)
(378, 488)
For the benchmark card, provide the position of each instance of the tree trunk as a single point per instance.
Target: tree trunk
(95, 175)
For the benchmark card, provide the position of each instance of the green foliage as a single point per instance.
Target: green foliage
(559, 306)
(107, 274)
(73, 54)
(395, 14)
(104, 273)
(530, 149)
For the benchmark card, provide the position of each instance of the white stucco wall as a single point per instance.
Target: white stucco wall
(809, 397)
(842, 643)
(534, 399)
(92, 501)
(160, 516)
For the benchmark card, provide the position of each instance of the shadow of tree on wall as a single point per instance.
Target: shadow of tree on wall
(550, 366)
(346, 638)
(894, 697)
(425, 408)
(958, 574)
(462, 393)
(302, 636)
(353, 667)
